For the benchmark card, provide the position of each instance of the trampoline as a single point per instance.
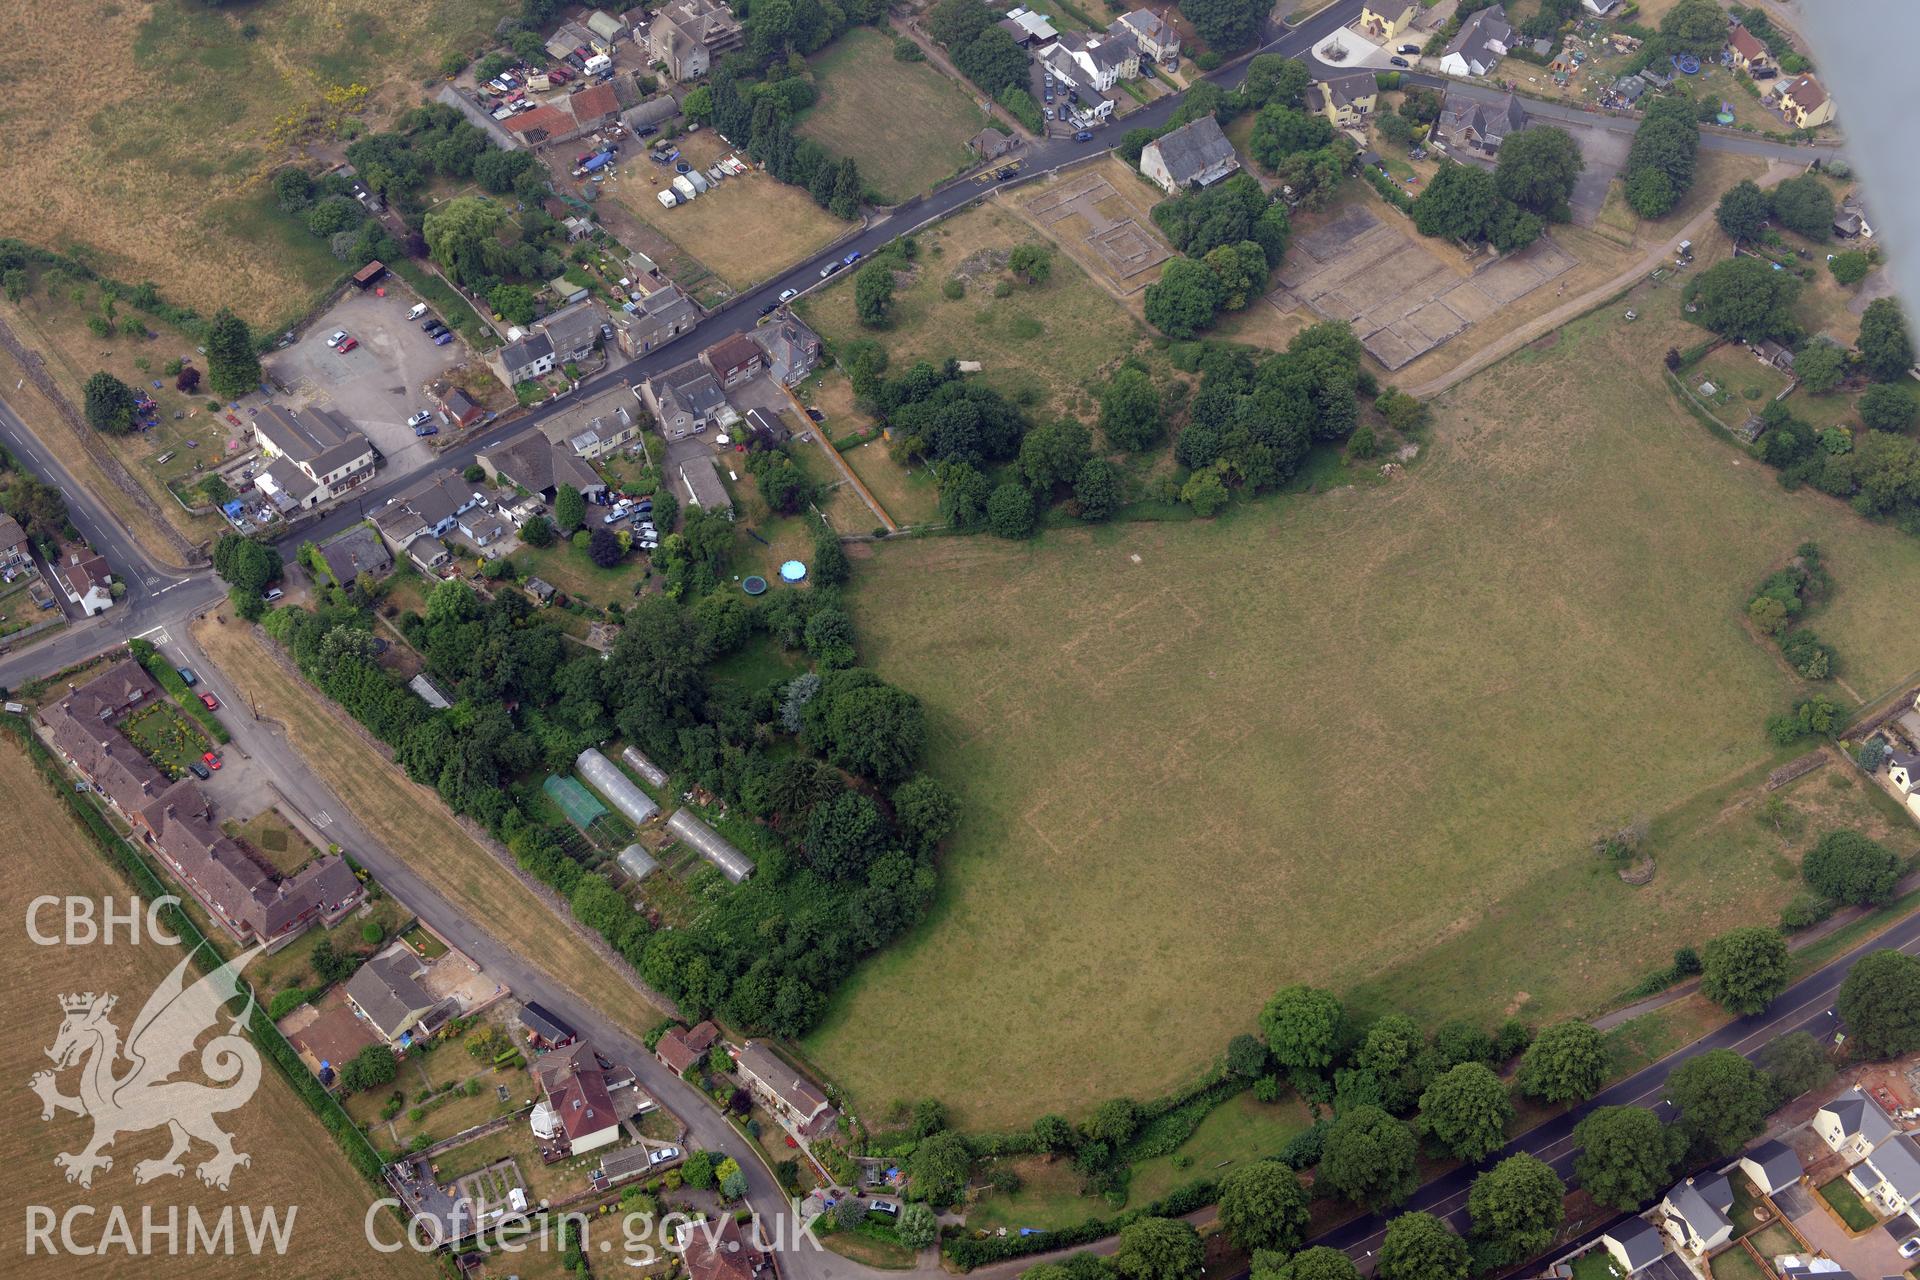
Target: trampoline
(792, 571)
(1687, 64)
(755, 586)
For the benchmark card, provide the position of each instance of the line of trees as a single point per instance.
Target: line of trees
(1660, 163)
(762, 114)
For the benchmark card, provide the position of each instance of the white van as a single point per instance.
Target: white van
(419, 309)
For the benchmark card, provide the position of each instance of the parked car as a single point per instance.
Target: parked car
(419, 309)
(663, 1155)
(614, 516)
(442, 338)
(852, 258)
(887, 1207)
(1911, 1247)
(815, 414)
(351, 344)
(212, 703)
(186, 674)
(419, 418)
(1399, 62)
(431, 322)
(198, 770)
(1083, 136)
(1048, 96)
(769, 309)
(830, 268)
(209, 759)
(787, 295)
(429, 430)
(338, 336)
(1408, 48)
(274, 594)
(434, 329)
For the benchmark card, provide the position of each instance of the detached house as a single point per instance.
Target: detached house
(686, 400)
(579, 1088)
(415, 521)
(792, 349)
(720, 1250)
(1481, 42)
(16, 553)
(1385, 20)
(682, 1047)
(1890, 1177)
(1634, 1244)
(1749, 55)
(1696, 1212)
(1103, 60)
(656, 319)
(1472, 128)
(794, 1100)
(1344, 100)
(539, 466)
(85, 579)
(689, 35)
(1773, 1166)
(1194, 155)
(317, 456)
(1804, 103)
(1152, 34)
(734, 359)
(386, 993)
(1853, 1124)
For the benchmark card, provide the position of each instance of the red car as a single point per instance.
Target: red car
(347, 346)
(212, 760)
(212, 703)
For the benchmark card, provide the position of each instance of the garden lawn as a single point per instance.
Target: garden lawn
(275, 837)
(165, 737)
(1053, 344)
(1595, 1264)
(904, 123)
(1737, 1264)
(1361, 738)
(1846, 1202)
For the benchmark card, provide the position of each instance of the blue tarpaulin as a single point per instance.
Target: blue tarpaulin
(235, 507)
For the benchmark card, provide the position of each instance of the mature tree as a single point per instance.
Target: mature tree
(110, 404)
(1887, 406)
(1566, 1063)
(1302, 1024)
(1419, 1246)
(1516, 1206)
(925, 812)
(244, 563)
(1240, 271)
(1880, 1003)
(512, 302)
(1115, 1122)
(1394, 1053)
(1884, 346)
(604, 549)
(463, 237)
(1796, 1062)
(1159, 1249)
(963, 494)
(1456, 1042)
(1130, 410)
(1468, 1110)
(569, 509)
(1281, 131)
(1317, 1263)
(939, 1167)
(1248, 1057)
(1226, 25)
(372, 1067)
(1263, 1206)
(1272, 78)
(917, 1227)
(1804, 204)
(1010, 511)
(1052, 454)
(1096, 490)
(1848, 867)
(1055, 1134)
(1537, 169)
(1723, 1101)
(860, 722)
(873, 293)
(1460, 203)
(1031, 262)
(1698, 27)
(1184, 299)
(1626, 1155)
(1650, 192)
(1820, 367)
(1850, 266)
(1667, 143)
(1745, 298)
(1743, 209)
(233, 367)
(1745, 968)
(1370, 1158)
(537, 532)
(1395, 128)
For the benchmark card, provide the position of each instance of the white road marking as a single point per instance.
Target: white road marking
(156, 631)
(323, 819)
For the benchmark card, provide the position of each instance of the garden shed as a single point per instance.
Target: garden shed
(604, 776)
(650, 773)
(733, 864)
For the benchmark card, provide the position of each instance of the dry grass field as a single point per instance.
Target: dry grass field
(905, 124)
(747, 229)
(295, 1162)
(411, 821)
(145, 154)
(1361, 739)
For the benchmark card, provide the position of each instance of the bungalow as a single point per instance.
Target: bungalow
(1804, 104)
(1387, 21)
(317, 455)
(720, 1250)
(1634, 1245)
(386, 993)
(1853, 1124)
(1481, 42)
(1773, 1166)
(682, 1047)
(579, 1096)
(1152, 34)
(546, 1030)
(766, 428)
(700, 486)
(655, 320)
(1696, 1212)
(525, 358)
(1194, 155)
(1749, 54)
(794, 1100)
(1775, 354)
(85, 580)
(1850, 220)
(991, 144)
(537, 465)
(1344, 100)
(596, 426)
(686, 400)
(359, 550)
(1890, 1177)
(456, 404)
(734, 359)
(1468, 127)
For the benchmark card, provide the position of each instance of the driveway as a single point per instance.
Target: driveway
(1606, 155)
(377, 385)
(1874, 1253)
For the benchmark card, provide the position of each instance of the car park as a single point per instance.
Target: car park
(210, 702)
(349, 345)
(418, 418)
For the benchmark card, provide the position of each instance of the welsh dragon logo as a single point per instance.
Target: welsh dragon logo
(131, 1088)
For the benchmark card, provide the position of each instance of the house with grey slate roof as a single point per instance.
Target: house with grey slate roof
(1634, 1244)
(1853, 1124)
(1773, 1166)
(1194, 155)
(1468, 127)
(1696, 1212)
(1483, 40)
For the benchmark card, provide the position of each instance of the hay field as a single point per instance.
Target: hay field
(904, 123)
(1360, 739)
(294, 1161)
(142, 144)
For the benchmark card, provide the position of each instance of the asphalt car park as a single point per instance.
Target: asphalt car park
(378, 384)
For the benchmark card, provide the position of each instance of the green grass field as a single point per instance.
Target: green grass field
(1052, 344)
(904, 123)
(1362, 739)
(1847, 1203)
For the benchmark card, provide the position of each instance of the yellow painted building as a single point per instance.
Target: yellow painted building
(1805, 104)
(1344, 100)
(1388, 21)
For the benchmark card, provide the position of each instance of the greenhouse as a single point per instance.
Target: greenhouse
(637, 862)
(604, 776)
(733, 864)
(650, 773)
